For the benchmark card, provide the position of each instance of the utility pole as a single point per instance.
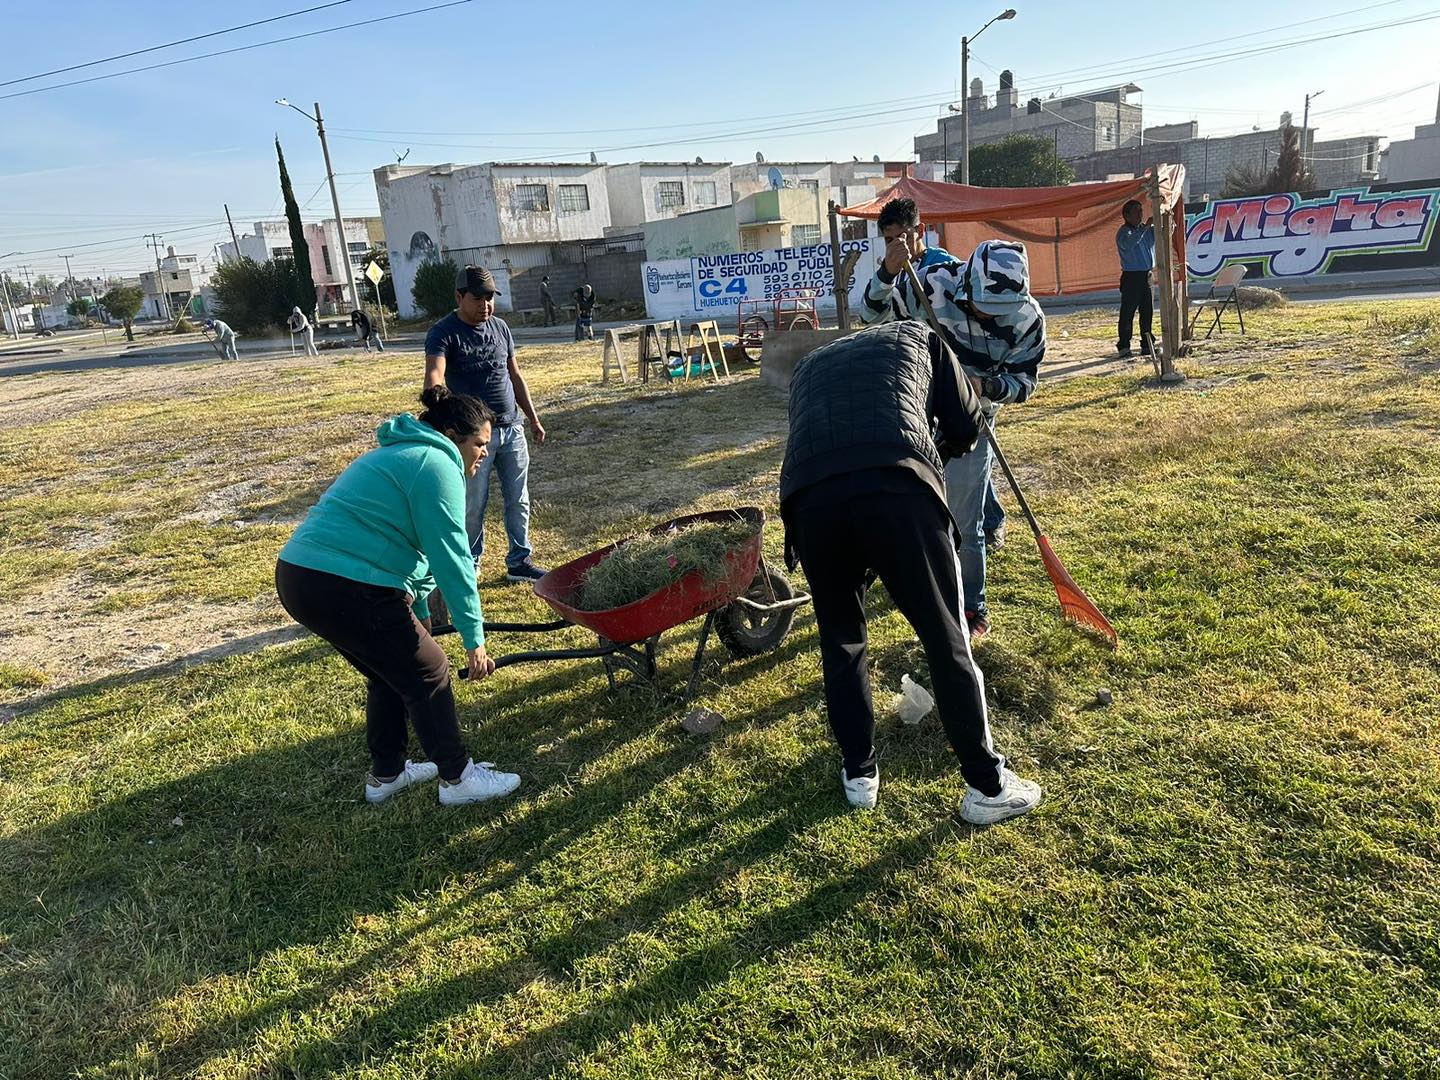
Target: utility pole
(334, 196)
(339, 221)
(1306, 147)
(1008, 13)
(69, 277)
(233, 238)
(159, 277)
(964, 110)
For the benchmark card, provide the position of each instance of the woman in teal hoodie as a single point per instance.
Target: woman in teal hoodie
(359, 568)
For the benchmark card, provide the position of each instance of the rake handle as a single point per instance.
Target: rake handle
(934, 321)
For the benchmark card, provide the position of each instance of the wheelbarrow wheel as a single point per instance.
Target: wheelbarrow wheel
(747, 632)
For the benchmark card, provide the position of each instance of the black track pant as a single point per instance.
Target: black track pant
(407, 674)
(907, 540)
(1135, 296)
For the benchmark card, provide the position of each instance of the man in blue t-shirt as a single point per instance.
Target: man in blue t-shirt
(472, 352)
(1135, 244)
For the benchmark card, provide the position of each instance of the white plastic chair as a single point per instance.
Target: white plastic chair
(1224, 292)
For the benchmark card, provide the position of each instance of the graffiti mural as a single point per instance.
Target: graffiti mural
(1295, 235)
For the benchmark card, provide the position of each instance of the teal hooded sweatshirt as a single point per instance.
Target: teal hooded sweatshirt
(396, 517)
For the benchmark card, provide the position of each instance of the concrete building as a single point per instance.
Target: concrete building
(271, 240)
(508, 217)
(1078, 125)
(180, 278)
(786, 217)
(1207, 161)
(645, 191)
(1416, 158)
(843, 181)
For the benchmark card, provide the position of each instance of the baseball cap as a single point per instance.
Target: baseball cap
(475, 279)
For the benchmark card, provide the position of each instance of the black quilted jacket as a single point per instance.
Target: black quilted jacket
(891, 395)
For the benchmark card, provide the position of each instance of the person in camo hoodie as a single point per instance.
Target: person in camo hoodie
(997, 332)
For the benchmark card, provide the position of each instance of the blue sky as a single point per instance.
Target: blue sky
(163, 150)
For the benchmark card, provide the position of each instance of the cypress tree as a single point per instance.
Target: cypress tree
(304, 280)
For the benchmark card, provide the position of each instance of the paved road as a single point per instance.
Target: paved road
(83, 351)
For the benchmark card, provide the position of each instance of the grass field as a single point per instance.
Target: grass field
(1236, 872)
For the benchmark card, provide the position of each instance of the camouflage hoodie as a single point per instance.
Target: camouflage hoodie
(1002, 345)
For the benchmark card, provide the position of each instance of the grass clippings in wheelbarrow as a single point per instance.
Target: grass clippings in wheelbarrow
(637, 567)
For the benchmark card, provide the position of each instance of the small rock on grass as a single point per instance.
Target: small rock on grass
(701, 721)
(1103, 696)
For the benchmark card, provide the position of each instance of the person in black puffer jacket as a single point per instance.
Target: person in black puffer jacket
(873, 419)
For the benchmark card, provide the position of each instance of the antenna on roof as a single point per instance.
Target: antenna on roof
(401, 157)
(759, 156)
(593, 159)
(876, 159)
(699, 159)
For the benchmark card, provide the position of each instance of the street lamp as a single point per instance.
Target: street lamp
(344, 252)
(1008, 13)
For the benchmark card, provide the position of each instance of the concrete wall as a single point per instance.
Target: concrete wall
(529, 227)
(1078, 129)
(1414, 159)
(614, 275)
(1334, 162)
(634, 190)
(1190, 129)
(705, 232)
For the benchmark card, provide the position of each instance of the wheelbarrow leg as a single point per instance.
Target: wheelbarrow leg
(694, 682)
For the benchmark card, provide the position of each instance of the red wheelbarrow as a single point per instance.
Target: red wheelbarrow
(748, 605)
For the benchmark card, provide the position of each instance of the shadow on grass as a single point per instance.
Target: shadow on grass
(277, 850)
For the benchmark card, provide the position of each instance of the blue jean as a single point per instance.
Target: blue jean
(510, 457)
(967, 482)
(994, 512)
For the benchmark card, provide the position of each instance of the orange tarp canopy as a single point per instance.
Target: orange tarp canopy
(1069, 231)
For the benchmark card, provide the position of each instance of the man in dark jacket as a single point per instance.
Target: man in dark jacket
(873, 417)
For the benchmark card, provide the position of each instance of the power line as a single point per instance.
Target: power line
(237, 49)
(1182, 65)
(172, 44)
(927, 98)
(1196, 45)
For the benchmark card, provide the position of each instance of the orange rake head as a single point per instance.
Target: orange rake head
(1073, 601)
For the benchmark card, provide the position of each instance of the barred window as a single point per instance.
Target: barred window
(669, 195)
(531, 198)
(804, 235)
(573, 198)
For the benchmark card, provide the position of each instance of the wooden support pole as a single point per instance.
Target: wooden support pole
(1169, 309)
(840, 284)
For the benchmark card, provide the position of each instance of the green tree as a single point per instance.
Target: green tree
(1017, 161)
(387, 283)
(256, 297)
(123, 303)
(1290, 173)
(434, 288)
(1242, 181)
(299, 249)
(79, 307)
(44, 285)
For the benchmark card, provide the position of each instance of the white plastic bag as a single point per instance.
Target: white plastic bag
(914, 703)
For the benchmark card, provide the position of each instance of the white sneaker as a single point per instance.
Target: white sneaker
(477, 783)
(1016, 797)
(863, 792)
(415, 772)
